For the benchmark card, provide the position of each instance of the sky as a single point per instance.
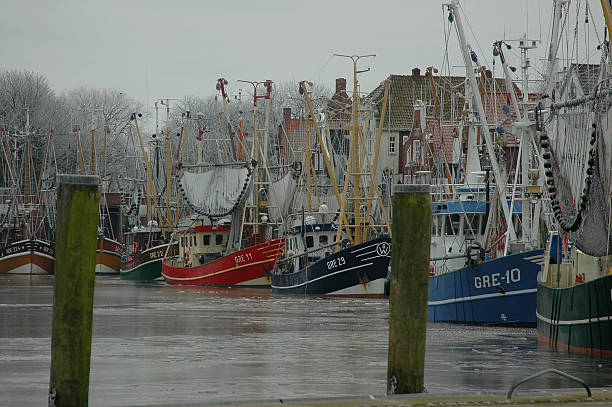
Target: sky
(152, 50)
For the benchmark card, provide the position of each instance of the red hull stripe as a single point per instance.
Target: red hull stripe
(577, 349)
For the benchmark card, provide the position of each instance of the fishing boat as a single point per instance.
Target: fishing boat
(230, 241)
(28, 257)
(108, 250)
(328, 254)
(145, 265)
(145, 249)
(485, 248)
(27, 207)
(574, 303)
(108, 256)
(146, 245)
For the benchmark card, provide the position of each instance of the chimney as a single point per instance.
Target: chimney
(340, 85)
(286, 114)
(416, 72)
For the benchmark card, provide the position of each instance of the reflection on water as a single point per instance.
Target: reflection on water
(155, 344)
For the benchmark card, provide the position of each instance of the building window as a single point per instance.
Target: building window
(391, 144)
(408, 156)
(416, 147)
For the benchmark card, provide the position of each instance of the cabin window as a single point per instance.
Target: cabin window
(391, 144)
(195, 240)
(309, 241)
(206, 240)
(183, 241)
(218, 239)
(190, 240)
(483, 224)
(323, 240)
(452, 224)
(434, 226)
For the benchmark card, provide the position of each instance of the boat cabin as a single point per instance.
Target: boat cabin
(202, 244)
(315, 242)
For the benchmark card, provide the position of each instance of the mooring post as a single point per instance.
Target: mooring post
(78, 200)
(409, 287)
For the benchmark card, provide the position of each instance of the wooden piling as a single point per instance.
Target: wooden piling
(78, 200)
(410, 248)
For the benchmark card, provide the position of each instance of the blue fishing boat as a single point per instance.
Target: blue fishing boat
(485, 247)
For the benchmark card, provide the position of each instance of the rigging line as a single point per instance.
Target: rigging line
(323, 66)
(467, 21)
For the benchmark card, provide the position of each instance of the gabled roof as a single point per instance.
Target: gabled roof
(406, 89)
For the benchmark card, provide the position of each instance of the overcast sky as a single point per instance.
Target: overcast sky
(169, 49)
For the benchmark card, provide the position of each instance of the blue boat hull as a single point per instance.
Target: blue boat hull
(501, 291)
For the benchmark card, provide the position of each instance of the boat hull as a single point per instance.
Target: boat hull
(501, 291)
(245, 267)
(355, 271)
(577, 318)
(28, 257)
(108, 256)
(147, 265)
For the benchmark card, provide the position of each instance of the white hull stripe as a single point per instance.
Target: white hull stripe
(20, 254)
(140, 265)
(375, 257)
(536, 257)
(364, 248)
(205, 276)
(483, 296)
(574, 322)
(322, 277)
(365, 253)
(273, 246)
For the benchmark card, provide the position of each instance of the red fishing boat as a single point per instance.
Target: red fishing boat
(230, 187)
(201, 259)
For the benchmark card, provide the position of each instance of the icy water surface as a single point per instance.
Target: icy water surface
(154, 344)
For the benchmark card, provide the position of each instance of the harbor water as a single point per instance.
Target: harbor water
(158, 344)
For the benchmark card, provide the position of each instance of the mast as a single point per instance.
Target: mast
(150, 186)
(360, 222)
(92, 169)
(328, 164)
(484, 127)
(169, 215)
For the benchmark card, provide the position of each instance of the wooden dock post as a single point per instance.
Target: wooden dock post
(78, 201)
(410, 248)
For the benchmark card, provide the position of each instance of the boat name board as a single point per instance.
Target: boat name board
(22, 247)
(336, 263)
(495, 279)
